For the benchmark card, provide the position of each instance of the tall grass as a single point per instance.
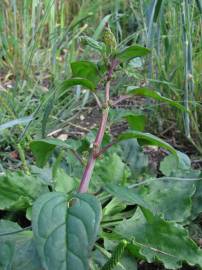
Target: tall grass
(39, 39)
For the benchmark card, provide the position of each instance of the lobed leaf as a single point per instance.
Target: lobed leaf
(158, 240)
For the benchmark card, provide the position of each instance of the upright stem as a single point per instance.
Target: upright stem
(100, 134)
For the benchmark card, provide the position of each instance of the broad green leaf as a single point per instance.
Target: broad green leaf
(175, 165)
(17, 249)
(135, 121)
(133, 155)
(42, 149)
(76, 81)
(132, 52)
(146, 92)
(85, 69)
(126, 195)
(64, 182)
(147, 139)
(65, 231)
(18, 190)
(111, 169)
(158, 240)
(170, 198)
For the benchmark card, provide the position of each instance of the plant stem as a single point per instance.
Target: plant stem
(100, 134)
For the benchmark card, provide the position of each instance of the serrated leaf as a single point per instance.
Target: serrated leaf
(85, 69)
(158, 240)
(147, 139)
(146, 92)
(132, 52)
(18, 190)
(42, 149)
(17, 249)
(64, 231)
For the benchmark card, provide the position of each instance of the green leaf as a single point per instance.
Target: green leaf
(64, 182)
(19, 121)
(42, 149)
(86, 70)
(197, 198)
(146, 92)
(99, 46)
(126, 195)
(133, 155)
(76, 81)
(136, 121)
(175, 165)
(132, 52)
(17, 248)
(18, 190)
(64, 231)
(111, 169)
(158, 240)
(147, 139)
(170, 198)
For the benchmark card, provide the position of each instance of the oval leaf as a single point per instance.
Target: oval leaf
(86, 70)
(132, 52)
(77, 81)
(64, 234)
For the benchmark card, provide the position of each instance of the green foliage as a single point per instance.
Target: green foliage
(42, 149)
(116, 256)
(65, 229)
(171, 199)
(76, 81)
(17, 248)
(147, 139)
(156, 96)
(85, 69)
(133, 155)
(126, 195)
(131, 52)
(18, 190)
(144, 218)
(157, 239)
(136, 121)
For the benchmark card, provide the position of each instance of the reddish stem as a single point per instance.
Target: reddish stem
(98, 140)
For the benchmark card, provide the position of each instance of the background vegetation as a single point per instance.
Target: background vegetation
(38, 42)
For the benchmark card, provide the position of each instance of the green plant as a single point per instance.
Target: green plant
(66, 218)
